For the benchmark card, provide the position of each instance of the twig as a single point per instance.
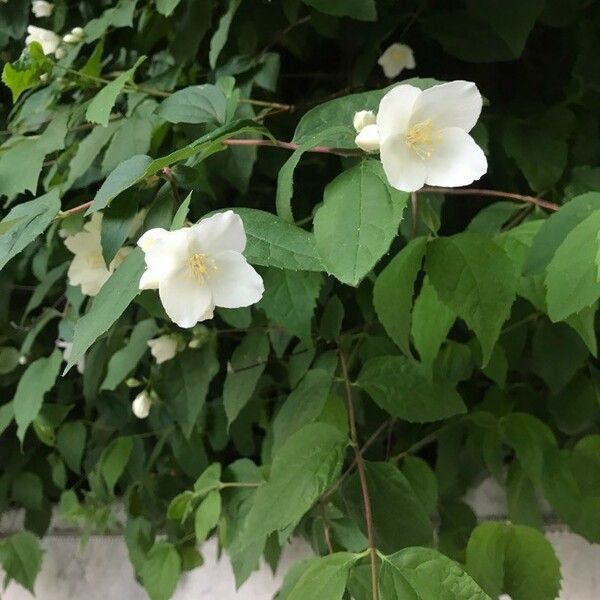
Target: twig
(362, 476)
(495, 193)
(292, 146)
(168, 173)
(414, 208)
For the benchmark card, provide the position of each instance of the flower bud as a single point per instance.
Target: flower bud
(141, 405)
(368, 139)
(41, 8)
(164, 347)
(395, 59)
(363, 118)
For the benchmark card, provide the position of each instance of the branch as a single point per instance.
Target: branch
(292, 146)
(495, 193)
(362, 476)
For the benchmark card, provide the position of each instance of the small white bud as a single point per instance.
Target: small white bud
(41, 8)
(60, 53)
(78, 31)
(368, 139)
(395, 59)
(22, 360)
(44, 77)
(164, 347)
(141, 405)
(363, 118)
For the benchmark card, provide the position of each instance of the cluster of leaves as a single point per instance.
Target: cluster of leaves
(405, 348)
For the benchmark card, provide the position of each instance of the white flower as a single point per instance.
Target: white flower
(41, 8)
(362, 119)
(75, 36)
(141, 405)
(88, 268)
(163, 348)
(48, 40)
(395, 59)
(199, 267)
(424, 136)
(67, 348)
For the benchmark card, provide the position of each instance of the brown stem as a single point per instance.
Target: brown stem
(362, 475)
(326, 528)
(494, 193)
(414, 208)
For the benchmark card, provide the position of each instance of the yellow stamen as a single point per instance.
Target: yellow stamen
(200, 266)
(421, 138)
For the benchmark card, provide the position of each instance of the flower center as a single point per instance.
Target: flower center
(200, 266)
(421, 138)
(95, 260)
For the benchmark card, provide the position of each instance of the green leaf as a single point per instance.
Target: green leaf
(531, 439)
(399, 518)
(125, 360)
(302, 406)
(431, 322)
(325, 578)
(393, 292)
(514, 559)
(285, 178)
(290, 298)
(166, 7)
(114, 459)
(180, 505)
(423, 573)
(7, 414)
(555, 229)
(184, 381)
(117, 221)
(124, 176)
(70, 442)
(195, 104)
(119, 16)
(182, 213)
(475, 278)
(273, 242)
(110, 303)
(25, 222)
(248, 362)
(358, 221)
(209, 480)
(100, 107)
(305, 466)
(161, 571)
(362, 10)
(575, 265)
(423, 481)
(27, 490)
(207, 515)
(132, 137)
(401, 388)
(25, 73)
(38, 379)
(219, 38)
(31, 151)
(21, 558)
(523, 507)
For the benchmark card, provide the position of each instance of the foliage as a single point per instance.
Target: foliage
(406, 346)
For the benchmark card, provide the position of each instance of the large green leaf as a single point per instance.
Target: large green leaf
(184, 384)
(114, 297)
(305, 466)
(475, 278)
(195, 104)
(393, 292)
(575, 266)
(114, 459)
(403, 389)
(273, 242)
(38, 379)
(21, 558)
(358, 221)
(161, 571)
(25, 222)
(399, 518)
(423, 573)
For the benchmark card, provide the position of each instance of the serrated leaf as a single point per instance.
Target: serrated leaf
(475, 278)
(114, 297)
(38, 379)
(402, 389)
(195, 104)
(393, 292)
(358, 221)
(25, 222)
(118, 16)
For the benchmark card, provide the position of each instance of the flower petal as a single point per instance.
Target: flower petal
(452, 104)
(167, 253)
(368, 139)
(148, 239)
(235, 283)
(404, 170)
(457, 160)
(223, 231)
(395, 110)
(185, 300)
